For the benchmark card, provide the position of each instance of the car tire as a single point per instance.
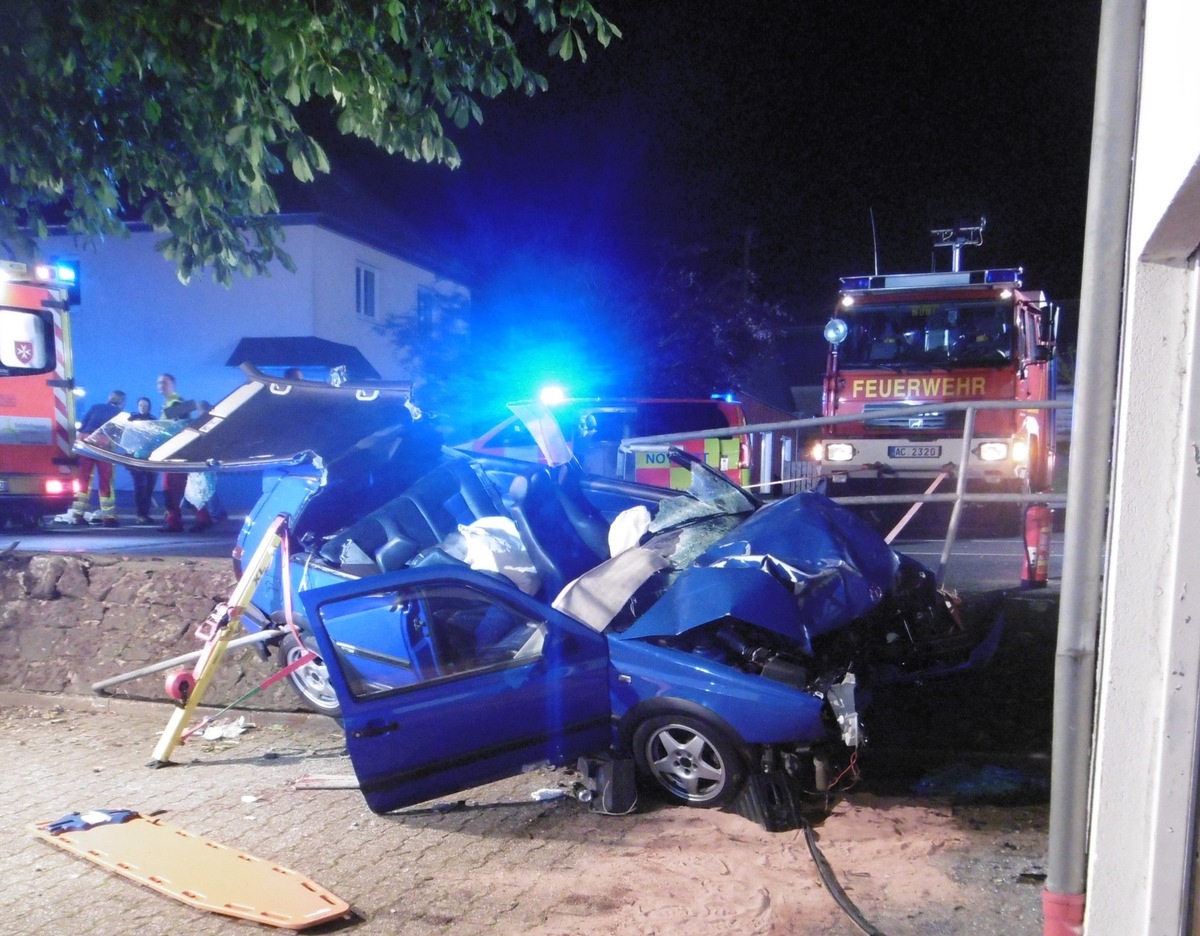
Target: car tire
(311, 681)
(689, 760)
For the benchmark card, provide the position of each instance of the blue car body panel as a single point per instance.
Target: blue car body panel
(445, 731)
(286, 492)
(758, 710)
(758, 574)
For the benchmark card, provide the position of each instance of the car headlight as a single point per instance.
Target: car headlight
(994, 451)
(1020, 452)
(838, 451)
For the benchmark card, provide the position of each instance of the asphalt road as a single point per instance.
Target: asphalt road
(975, 564)
(127, 539)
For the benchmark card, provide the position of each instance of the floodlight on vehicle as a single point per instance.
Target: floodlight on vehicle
(836, 331)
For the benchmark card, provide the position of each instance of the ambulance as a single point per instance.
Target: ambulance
(37, 405)
(596, 427)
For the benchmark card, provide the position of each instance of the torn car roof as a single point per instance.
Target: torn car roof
(266, 421)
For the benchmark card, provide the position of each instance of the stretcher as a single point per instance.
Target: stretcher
(193, 870)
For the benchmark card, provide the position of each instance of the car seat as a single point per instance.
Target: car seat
(555, 544)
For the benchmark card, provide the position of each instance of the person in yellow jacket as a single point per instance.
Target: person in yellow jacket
(93, 419)
(175, 482)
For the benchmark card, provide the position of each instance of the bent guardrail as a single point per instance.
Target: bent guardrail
(790, 432)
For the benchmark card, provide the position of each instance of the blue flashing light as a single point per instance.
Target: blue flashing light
(856, 282)
(552, 395)
(726, 397)
(1011, 275)
(65, 270)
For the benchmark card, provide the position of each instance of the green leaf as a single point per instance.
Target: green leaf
(301, 169)
(318, 157)
(187, 112)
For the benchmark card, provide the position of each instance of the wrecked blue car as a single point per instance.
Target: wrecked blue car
(474, 616)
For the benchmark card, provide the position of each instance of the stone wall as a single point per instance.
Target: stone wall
(69, 621)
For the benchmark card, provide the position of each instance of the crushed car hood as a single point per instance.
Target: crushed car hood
(827, 565)
(266, 421)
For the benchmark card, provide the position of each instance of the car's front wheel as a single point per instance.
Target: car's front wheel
(691, 761)
(311, 680)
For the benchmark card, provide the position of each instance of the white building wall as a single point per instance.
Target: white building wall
(397, 283)
(1144, 785)
(136, 319)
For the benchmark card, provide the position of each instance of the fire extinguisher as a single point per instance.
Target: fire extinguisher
(1036, 561)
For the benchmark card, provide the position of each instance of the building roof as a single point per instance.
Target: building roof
(302, 351)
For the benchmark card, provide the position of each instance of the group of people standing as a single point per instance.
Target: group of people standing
(175, 484)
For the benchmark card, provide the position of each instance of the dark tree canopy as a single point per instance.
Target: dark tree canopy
(180, 114)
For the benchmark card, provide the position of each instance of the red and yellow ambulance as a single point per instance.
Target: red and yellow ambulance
(595, 428)
(37, 406)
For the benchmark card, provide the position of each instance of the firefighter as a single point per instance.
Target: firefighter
(96, 417)
(174, 482)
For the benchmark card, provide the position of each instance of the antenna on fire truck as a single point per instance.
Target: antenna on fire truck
(957, 237)
(874, 240)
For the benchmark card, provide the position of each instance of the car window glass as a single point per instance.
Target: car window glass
(403, 638)
(604, 426)
(26, 342)
(668, 417)
(514, 435)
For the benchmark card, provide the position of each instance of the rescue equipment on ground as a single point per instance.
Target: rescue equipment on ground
(193, 870)
(218, 631)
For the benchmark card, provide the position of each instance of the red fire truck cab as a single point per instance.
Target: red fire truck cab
(897, 341)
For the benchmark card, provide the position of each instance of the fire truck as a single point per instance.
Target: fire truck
(913, 339)
(37, 406)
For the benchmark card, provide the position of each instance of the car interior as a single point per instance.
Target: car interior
(563, 527)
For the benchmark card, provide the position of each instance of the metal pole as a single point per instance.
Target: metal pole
(766, 461)
(964, 458)
(1100, 308)
(259, 637)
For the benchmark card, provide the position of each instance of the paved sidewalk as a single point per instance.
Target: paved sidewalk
(503, 863)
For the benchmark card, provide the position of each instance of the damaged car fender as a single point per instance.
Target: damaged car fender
(650, 680)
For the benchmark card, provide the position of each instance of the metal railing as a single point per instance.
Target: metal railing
(763, 436)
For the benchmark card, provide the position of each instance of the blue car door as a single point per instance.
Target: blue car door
(450, 678)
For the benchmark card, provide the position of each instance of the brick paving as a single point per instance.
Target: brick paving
(407, 873)
(503, 864)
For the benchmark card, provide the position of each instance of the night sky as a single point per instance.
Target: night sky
(791, 121)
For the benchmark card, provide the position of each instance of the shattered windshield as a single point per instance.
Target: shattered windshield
(928, 334)
(710, 494)
(686, 525)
